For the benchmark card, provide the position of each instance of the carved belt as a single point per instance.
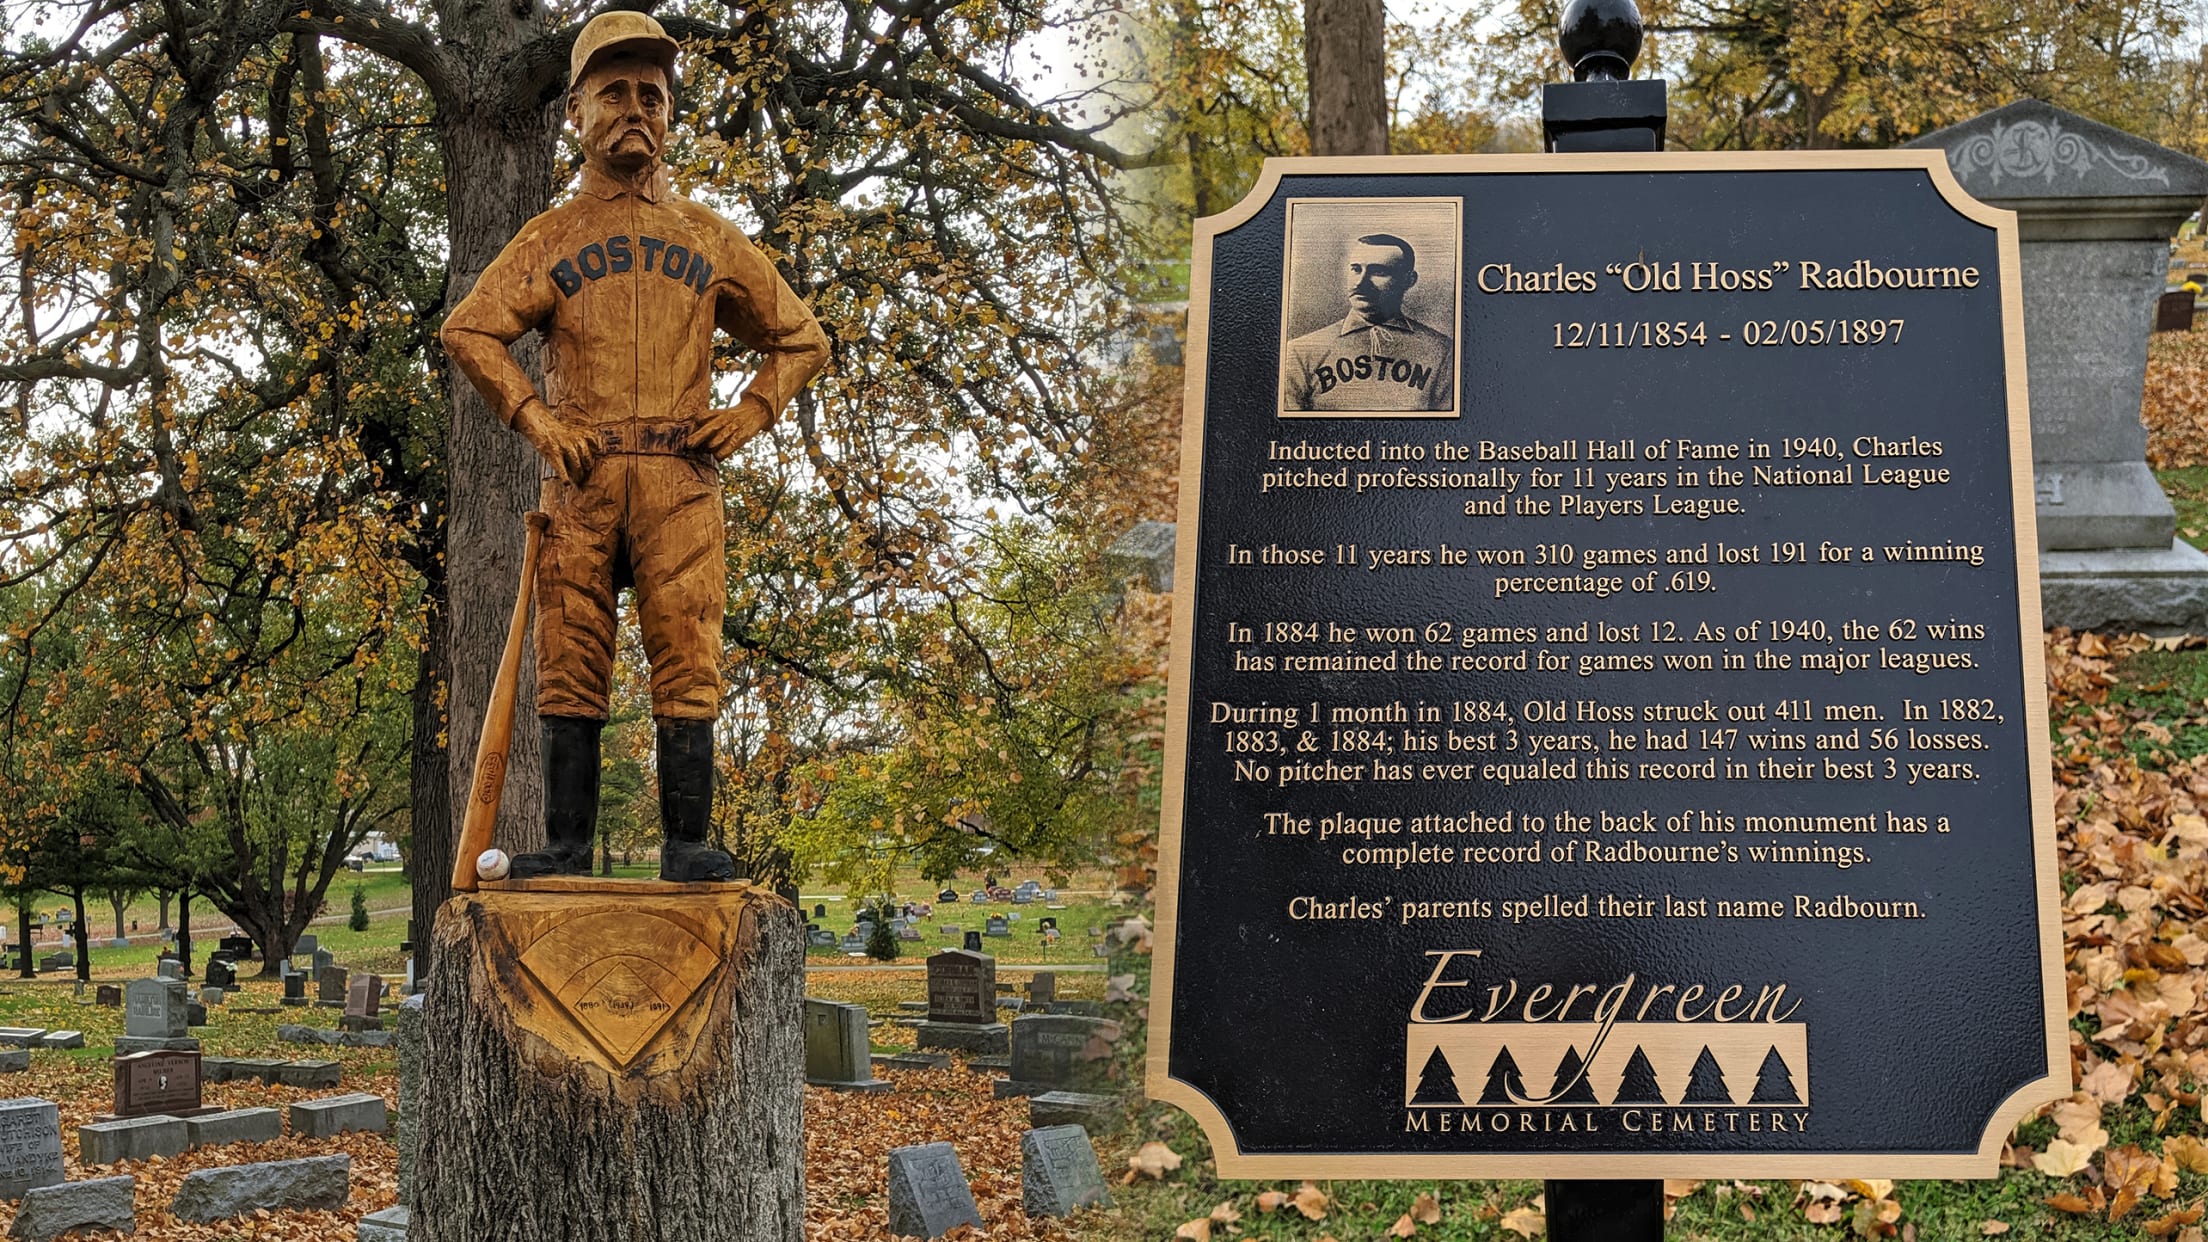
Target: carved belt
(646, 439)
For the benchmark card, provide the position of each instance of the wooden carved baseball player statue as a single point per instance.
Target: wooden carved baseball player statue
(627, 281)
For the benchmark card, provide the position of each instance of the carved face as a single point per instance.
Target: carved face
(619, 110)
(1376, 279)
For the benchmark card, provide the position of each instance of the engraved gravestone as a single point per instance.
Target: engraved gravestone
(222, 972)
(1058, 1172)
(837, 1051)
(153, 1009)
(962, 987)
(2096, 208)
(971, 941)
(962, 1004)
(997, 926)
(363, 1003)
(1057, 1052)
(928, 1194)
(157, 1082)
(30, 1146)
(332, 981)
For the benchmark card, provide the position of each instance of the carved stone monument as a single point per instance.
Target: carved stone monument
(2096, 208)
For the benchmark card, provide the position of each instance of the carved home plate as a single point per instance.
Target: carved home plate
(621, 998)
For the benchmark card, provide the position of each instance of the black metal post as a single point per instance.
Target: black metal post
(1604, 1211)
(1602, 110)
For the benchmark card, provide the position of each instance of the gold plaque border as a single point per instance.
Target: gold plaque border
(2055, 1084)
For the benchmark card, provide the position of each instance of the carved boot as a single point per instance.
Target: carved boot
(570, 799)
(686, 803)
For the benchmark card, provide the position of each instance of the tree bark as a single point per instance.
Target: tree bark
(499, 172)
(1345, 68)
(82, 935)
(532, 1125)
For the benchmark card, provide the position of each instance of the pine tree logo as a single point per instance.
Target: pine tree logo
(1662, 1062)
(1437, 1083)
(1774, 1082)
(1639, 1084)
(1706, 1082)
(1572, 1085)
(1504, 1084)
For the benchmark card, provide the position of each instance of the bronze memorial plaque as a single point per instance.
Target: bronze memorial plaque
(1607, 735)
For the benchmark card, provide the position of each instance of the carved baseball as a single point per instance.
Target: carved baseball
(491, 864)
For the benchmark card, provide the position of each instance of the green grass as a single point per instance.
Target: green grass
(1024, 945)
(2188, 492)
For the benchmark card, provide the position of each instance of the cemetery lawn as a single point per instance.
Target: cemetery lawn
(2122, 1158)
(848, 1136)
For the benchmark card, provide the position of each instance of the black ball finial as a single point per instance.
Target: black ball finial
(1600, 39)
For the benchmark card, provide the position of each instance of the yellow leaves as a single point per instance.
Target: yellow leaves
(2107, 1082)
(1271, 1201)
(2063, 1158)
(1198, 1230)
(1529, 1221)
(2131, 1174)
(1992, 1228)
(1154, 1160)
(1311, 1201)
(2189, 1152)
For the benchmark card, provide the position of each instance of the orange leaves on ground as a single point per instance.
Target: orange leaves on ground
(847, 1143)
(1426, 1210)
(2176, 393)
(2189, 1153)
(2131, 1174)
(1992, 1228)
(2179, 1218)
(2079, 1205)
(1311, 1201)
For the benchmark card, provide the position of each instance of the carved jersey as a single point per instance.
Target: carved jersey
(1356, 366)
(628, 284)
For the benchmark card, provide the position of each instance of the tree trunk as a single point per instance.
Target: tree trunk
(430, 781)
(184, 929)
(163, 925)
(116, 900)
(1345, 66)
(613, 1062)
(499, 170)
(81, 932)
(29, 967)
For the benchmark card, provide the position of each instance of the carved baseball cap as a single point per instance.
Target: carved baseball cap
(621, 34)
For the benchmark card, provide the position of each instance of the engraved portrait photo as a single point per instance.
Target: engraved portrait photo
(1370, 308)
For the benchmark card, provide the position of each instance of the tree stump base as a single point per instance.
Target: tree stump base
(613, 1061)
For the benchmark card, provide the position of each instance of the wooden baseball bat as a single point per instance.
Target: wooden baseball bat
(489, 785)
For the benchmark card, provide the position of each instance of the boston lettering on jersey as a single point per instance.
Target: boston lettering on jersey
(613, 255)
(1370, 366)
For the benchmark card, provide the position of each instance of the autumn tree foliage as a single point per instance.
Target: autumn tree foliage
(240, 478)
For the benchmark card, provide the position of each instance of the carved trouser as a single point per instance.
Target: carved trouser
(650, 516)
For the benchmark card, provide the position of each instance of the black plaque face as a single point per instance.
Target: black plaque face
(1625, 756)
